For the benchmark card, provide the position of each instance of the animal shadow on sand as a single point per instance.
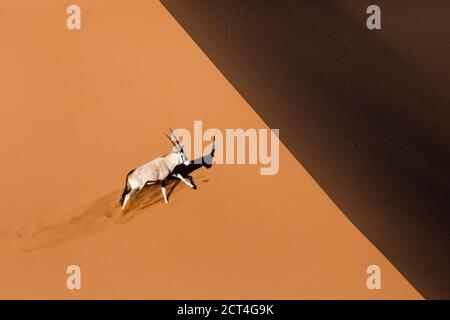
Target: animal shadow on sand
(59, 227)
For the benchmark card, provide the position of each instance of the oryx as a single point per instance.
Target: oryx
(156, 170)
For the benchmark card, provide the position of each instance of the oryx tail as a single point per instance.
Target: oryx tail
(127, 188)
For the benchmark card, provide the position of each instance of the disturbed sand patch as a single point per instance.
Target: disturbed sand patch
(59, 227)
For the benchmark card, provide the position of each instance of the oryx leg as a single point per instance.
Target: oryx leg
(128, 196)
(163, 190)
(179, 176)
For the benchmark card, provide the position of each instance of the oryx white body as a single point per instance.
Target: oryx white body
(155, 171)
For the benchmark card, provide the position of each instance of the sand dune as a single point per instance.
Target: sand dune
(365, 112)
(85, 108)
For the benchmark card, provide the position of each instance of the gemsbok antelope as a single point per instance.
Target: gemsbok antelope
(156, 170)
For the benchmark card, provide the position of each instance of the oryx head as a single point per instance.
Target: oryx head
(177, 150)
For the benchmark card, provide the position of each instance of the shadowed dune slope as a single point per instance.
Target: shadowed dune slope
(366, 112)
